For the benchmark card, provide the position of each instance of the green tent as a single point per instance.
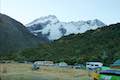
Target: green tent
(116, 63)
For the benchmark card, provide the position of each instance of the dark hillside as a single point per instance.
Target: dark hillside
(14, 36)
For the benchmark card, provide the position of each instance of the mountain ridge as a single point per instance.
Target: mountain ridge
(53, 29)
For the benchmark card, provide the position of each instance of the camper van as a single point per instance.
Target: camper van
(93, 65)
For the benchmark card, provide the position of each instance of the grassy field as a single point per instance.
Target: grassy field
(24, 72)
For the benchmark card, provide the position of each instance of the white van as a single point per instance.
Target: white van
(93, 65)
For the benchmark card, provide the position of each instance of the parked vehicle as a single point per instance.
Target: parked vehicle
(109, 75)
(35, 66)
(93, 65)
(78, 66)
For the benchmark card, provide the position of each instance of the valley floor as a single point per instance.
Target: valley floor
(19, 71)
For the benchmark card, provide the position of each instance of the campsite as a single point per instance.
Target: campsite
(47, 70)
(22, 71)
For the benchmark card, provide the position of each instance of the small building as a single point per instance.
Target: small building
(62, 64)
(93, 65)
(44, 63)
(116, 64)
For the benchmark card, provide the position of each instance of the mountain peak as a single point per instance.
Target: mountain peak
(47, 17)
(50, 19)
(96, 19)
(52, 16)
(98, 22)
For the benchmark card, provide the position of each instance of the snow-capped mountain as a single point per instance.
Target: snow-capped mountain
(53, 29)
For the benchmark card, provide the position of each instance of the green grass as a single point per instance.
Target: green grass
(24, 72)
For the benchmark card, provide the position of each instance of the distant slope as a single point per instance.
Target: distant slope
(53, 29)
(102, 44)
(14, 36)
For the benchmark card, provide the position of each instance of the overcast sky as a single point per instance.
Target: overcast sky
(26, 11)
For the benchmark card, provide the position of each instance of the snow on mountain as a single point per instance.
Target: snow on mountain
(53, 29)
(51, 19)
